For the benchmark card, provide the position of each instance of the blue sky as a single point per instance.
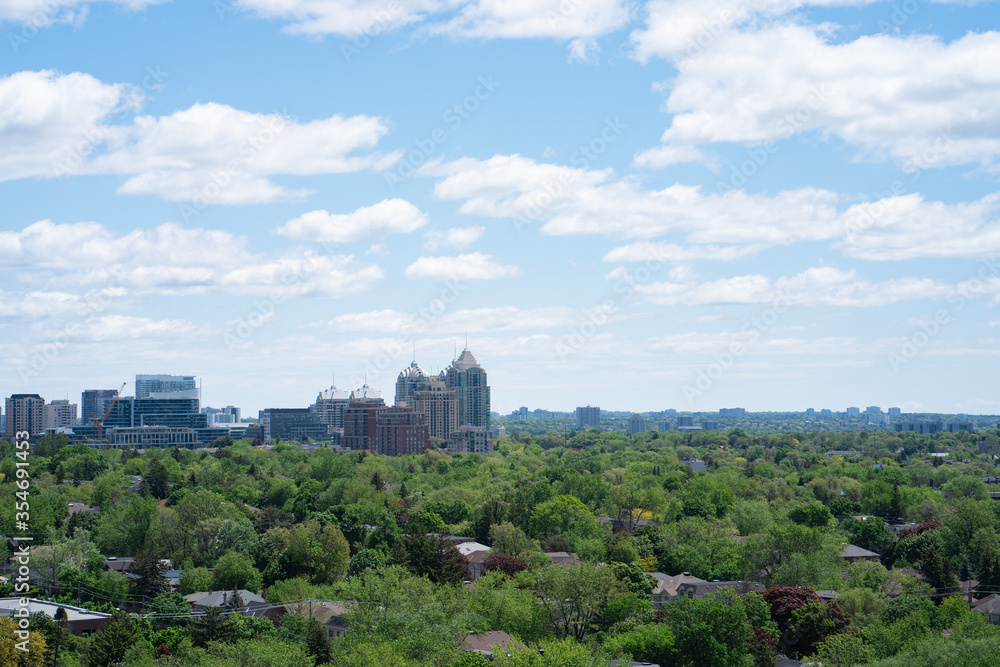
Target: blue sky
(678, 204)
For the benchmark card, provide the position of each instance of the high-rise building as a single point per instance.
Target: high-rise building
(873, 410)
(130, 412)
(25, 413)
(408, 382)
(709, 425)
(439, 406)
(222, 416)
(59, 414)
(468, 380)
(400, 430)
(360, 419)
(588, 416)
(895, 412)
(146, 385)
(853, 412)
(636, 424)
(329, 407)
(685, 421)
(471, 440)
(95, 402)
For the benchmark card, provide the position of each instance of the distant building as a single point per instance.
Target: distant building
(636, 424)
(955, 427)
(147, 385)
(588, 417)
(710, 425)
(471, 440)
(179, 412)
(873, 410)
(826, 412)
(853, 554)
(297, 424)
(147, 437)
(878, 418)
(329, 408)
(665, 425)
(360, 419)
(400, 430)
(95, 402)
(685, 421)
(921, 428)
(439, 406)
(853, 412)
(79, 621)
(59, 414)
(407, 383)
(498, 431)
(25, 413)
(696, 465)
(895, 412)
(732, 412)
(698, 590)
(468, 380)
(810, 412)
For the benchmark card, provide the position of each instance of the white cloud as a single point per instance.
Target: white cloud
(502, 318)
(53, 124)
(569, 200)
(914, 99)
(367, 223)
(42, 13)
(173, 260)
(127, 327)
(458, 238)
(815, 286)
(472, 266)
(645, 251)
(576, 21)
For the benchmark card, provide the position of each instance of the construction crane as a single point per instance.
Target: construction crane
(99, 423)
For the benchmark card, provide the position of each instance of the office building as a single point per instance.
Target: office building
(407, 383)
(588, 417)
(439, 406)
(299, 424)
(636, 424)
(183, 385)
(59, 414)
(25, 413)
(853, 412)
(471, 440)
(94, 403)
(468, 380)
(147, 437)
(400, 430)
(895, 412)
(129, 412)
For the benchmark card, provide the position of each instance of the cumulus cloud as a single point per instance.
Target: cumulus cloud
(501, 318)
(174, 260)
(55, 125)
(458, 238)
(915, 99)
(367, 223)
(471, 266)
(43, 13)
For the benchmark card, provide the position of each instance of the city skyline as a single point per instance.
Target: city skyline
(638, 205)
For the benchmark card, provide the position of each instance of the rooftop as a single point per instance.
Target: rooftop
(50, 609)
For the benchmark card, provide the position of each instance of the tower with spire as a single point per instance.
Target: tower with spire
(408, 382)
(468, 380)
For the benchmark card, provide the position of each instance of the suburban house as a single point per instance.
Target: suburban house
(252, 602)
(329, 613)
(989, 605)
(76, 508)
(699, 590)
(852, 554)
(79, 621)
(666, 586)
(119, 565)
(485, 642)
(474, 554)
(563, 558)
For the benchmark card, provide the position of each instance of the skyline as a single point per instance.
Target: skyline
(671, 204)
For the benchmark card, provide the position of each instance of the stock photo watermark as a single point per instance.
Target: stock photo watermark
(454, 117)
(725, 361)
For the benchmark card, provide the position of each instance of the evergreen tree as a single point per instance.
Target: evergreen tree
(113, 641)
(318, 643)
(212, 627)
(152, 580)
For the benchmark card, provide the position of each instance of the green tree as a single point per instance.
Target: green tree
(576, 596)
(196, 580)
(318, 643)
(213, 626)
(235, 571)
(113, 641)
(647, 643)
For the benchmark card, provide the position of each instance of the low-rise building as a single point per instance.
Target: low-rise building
(666, 586)
(79, 621)
(698, 590)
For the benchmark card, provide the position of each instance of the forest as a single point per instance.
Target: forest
(306, 524)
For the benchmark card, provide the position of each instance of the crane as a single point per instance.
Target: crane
(99, 423)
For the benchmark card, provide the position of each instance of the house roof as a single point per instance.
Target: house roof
(483, 642)
(324, 611)
(988, 605)
(667, 584)
(466, 548)
(854, 551)
(222, 598)
(118, 564)
(563, 557)
(50, 609)
(75, 508)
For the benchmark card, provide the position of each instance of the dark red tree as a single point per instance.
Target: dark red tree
(784, 600)
(509, 565)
